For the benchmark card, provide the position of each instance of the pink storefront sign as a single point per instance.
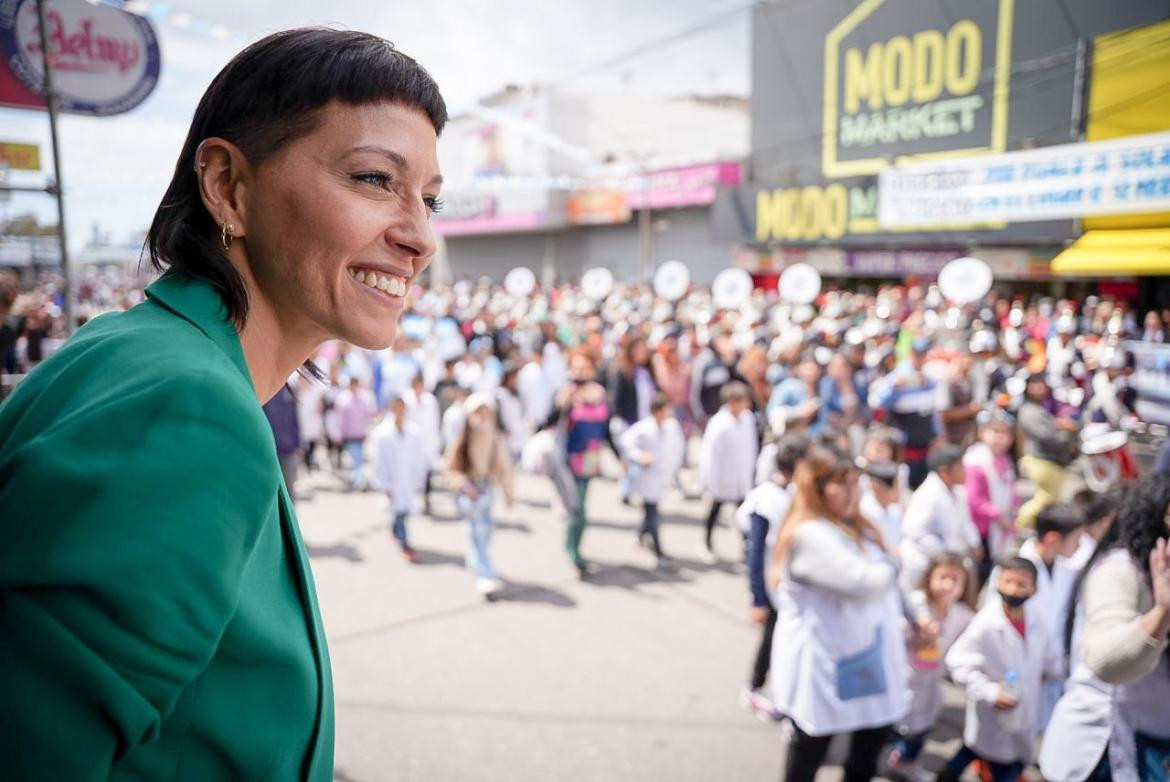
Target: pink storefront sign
(686, 186)
(491, 223)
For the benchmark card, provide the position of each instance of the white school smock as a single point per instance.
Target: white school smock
(926, 701)
(980, 659)
(936, 520)
(1093, 715)
(727, 458)
(398, 470)
(651, 481)
(832, 598)
(422, 411)
(1053, 590)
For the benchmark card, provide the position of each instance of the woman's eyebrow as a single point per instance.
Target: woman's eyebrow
(394, 157)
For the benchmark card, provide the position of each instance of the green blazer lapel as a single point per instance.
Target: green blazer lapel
(321, 761)
(198, 302)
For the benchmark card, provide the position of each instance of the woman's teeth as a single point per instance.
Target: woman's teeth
(395, 286)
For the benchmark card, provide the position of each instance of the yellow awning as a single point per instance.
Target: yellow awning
(1116, 253)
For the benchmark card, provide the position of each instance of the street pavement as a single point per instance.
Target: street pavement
(632, 674)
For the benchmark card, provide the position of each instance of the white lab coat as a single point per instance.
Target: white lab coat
(311, 411)
(452, 426)
(1093, 715)
(926, 679)
(536, 394)
(398, 470)
(769, 500)
(936, 520)
(727, 456)
(888, 519)
(1053, 590)
(651, 481)
(856, 607)
(422, 410)
(556, 366)
(512, 418)
(980, 659)
(766, 463)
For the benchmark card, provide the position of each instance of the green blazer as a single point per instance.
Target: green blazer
(158, 619)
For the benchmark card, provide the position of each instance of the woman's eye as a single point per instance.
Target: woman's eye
(374, 178)
(434, 204)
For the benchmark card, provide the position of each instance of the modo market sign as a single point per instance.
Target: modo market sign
(1124, 175)
(105, 61)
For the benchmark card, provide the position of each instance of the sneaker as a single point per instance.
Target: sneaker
(906, 769)
(665, 563)
(585, 569)
(644, 540)
(489, 587)
(409, 554)
(759, 704)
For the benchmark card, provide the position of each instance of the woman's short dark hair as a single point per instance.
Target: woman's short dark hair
(270, 94)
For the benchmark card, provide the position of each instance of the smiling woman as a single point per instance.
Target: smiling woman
(158, 619)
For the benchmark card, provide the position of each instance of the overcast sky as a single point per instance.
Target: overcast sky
(116, 168)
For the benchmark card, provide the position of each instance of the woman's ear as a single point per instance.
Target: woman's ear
(220, 167)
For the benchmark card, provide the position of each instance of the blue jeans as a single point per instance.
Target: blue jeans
(479, 532)
(398, 528)
(357, 459)
(1000, 772)
(910, 747)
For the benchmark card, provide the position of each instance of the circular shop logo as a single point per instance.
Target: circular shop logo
(105, 61)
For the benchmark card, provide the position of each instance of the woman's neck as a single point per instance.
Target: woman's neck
(273, 346)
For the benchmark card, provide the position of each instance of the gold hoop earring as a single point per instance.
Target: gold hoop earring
(225, 236)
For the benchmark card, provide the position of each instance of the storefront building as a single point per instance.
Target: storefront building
(841, 95)
(561, 182)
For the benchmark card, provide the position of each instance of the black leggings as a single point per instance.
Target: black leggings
(806, 754)
(712, 518)
(308, 453)
(764, 653)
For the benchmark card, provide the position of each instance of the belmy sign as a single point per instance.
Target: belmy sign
(105, 61)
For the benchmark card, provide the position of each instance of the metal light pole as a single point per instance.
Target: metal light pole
(56, 188)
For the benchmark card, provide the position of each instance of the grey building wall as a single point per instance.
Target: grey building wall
(682, 234)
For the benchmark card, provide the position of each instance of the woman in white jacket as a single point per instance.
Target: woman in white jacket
(1113, 720)
(838, 659)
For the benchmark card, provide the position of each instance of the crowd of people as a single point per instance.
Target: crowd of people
(905, 476)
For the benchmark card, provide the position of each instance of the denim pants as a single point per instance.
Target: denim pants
(398, 528)
(911, 745)
(357, 459)
(1000, 772)
(650, 525)
(577, 525)
(479, 532)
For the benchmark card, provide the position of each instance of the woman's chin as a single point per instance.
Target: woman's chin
(374, 335)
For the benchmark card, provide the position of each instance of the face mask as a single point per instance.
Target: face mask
(1013, 601)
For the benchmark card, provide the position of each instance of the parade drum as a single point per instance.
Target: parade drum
(965, 280)
(731, 289)
(800, 284)
(672, 280)
(1110, 461)
(597, 283)
(520, 282)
